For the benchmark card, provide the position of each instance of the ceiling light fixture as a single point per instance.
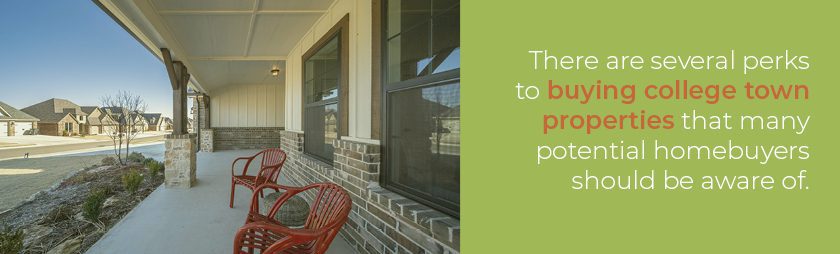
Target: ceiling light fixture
(275, 71)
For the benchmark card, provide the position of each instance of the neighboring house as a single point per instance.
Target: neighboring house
(165, 124)
(119, 114)
(114, 112)
(140, 123)
(59, 117)
(14, 122)
(109, 124)
(152, 120)
(99, 122)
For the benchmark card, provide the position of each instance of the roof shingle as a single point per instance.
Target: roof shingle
(53, 110)
(10, 113)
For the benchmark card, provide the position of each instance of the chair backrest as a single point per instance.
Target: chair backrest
(272, 163)
(328, 212)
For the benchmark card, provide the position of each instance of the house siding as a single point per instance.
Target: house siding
(359, 69)
(247, 106)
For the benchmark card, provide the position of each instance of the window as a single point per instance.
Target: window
(321, 81)
(422, 101)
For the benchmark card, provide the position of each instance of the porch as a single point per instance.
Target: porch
(308, 77)
(196, 220)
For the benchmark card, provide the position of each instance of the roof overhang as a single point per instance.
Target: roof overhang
(221, 42)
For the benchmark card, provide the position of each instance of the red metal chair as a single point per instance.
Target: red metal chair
(272, 162)
(328, 213)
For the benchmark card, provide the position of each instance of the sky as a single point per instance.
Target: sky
(73, 50)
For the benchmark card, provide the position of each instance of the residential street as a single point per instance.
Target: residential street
(18, 152)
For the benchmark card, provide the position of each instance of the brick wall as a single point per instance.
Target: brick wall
(381, 221)
(235, 138)
(49, 129)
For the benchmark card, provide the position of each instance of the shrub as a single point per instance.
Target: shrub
(155, 167)
(11, 241)
(135, 157)
(93, 204)
(131, 180)
(108, 161)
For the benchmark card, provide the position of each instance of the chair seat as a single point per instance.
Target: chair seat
(291, 214)
(250, 181)
(270, 165)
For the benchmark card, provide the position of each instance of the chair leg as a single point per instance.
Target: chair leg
(232, 191)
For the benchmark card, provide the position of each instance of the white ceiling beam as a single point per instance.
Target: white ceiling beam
(238, 12)
(251, 28)
(238, 58)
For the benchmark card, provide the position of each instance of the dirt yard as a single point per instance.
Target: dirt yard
(20, 178)
(73, 214)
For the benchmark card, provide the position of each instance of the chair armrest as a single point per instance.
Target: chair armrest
(247, 163)
(260, 173)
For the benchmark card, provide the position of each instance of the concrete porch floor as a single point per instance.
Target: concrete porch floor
(195, 220)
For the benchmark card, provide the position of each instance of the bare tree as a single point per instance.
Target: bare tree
(130, 108)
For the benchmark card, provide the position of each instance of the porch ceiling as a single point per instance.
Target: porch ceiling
(222, 42)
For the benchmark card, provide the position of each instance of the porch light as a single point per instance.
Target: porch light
(275, 72)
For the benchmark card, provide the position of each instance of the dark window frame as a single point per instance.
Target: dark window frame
(340, 30)
(386, 87)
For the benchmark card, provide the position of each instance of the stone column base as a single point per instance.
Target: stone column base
(180, 161)
(207, 140)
